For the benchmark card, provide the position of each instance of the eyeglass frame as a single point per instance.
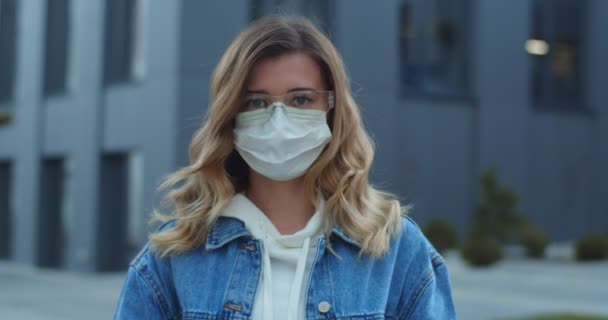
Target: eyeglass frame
(330, 98)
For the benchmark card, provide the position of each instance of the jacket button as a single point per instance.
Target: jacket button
(324, 307)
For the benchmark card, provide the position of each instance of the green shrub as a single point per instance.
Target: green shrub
(441, 234)
(535, 241)
(496, 213)
(5, 118)
(482, 251)
(592, 247)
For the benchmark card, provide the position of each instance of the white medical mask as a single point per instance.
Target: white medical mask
(281, 142)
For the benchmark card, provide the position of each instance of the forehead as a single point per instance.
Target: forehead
(277, 75)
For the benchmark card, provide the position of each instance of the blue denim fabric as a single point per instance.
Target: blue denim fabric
(219, 280)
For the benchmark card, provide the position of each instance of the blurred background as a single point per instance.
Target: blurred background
(489, 116)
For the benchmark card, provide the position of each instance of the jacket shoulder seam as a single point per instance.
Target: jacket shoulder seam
(418, 293)
(158, 296)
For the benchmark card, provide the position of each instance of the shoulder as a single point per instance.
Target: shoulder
(412, 243)
(150, 265)
(423, 274)
(148, 291)
(411, 230)
(416, 259)
(147, 254)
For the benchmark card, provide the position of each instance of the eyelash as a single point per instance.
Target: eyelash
(307, 99)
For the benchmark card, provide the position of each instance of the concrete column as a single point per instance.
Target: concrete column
(369, 50)
(86, 65)
(28, 124)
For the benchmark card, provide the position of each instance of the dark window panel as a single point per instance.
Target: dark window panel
(112, 243)
(557, 72)
(57, 40)
(51, 226)
(119, 41)
(5, 210)
(433, 47)
(8, 36)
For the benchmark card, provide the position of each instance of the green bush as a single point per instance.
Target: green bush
(591, 248)
(482, 251)
(441, 234)
(496, 213)
(5, 118)
(535, 241)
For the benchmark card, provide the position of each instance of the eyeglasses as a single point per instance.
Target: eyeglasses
(301, 99)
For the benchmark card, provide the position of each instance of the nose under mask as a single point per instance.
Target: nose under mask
(281, 142)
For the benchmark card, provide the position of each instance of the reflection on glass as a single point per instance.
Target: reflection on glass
(537, 47)
(432, 45)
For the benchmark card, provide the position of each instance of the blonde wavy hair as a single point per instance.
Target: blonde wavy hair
(216, 171)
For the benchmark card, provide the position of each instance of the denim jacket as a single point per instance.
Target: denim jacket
(219, 280)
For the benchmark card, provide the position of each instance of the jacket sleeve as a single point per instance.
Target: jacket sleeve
(139, 299)
(435, 298)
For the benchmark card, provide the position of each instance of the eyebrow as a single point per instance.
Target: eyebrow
(288, 91)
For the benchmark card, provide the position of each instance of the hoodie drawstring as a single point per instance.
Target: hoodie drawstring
(298, 280)
(267, 286)
(296, 285)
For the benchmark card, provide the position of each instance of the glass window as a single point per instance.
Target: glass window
(316, 10)
(136, 220)
(556, 49)
(51, 225)
(56, 54)
(433, 47)
(8, 35)
(119, 34)
(6, 212)
(112, 242)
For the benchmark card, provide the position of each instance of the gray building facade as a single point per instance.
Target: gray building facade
(99, 99)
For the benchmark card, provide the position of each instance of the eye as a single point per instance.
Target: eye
(255, 103)
(301, 99)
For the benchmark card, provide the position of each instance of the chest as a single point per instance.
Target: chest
(226, 284)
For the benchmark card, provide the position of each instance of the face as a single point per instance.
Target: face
(295, 79)
(289, 76)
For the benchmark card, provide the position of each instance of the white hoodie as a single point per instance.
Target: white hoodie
(287, 260)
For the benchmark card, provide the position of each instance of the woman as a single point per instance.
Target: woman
(274, 217)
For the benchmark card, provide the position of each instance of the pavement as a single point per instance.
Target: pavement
(28, 293)
(512, 288)
(521, 287)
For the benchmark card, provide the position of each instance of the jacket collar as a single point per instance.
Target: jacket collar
(340, 233)
(227, 229)
(224, 230)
